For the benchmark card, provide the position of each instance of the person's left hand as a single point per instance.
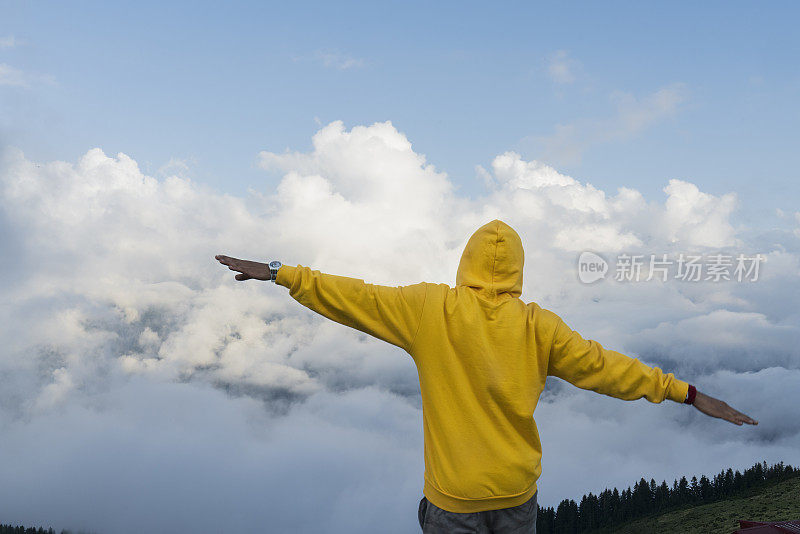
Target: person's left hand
(247, 269)
(720, 409)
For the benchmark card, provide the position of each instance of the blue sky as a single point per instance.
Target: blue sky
(131, 135)
(213, 84)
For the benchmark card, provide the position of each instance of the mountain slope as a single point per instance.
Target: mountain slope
(779, 502)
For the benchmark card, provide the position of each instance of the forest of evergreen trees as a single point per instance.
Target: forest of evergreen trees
(612, 507)
(9, 529)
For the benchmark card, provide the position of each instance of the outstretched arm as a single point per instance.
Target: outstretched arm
(392, 314)
(585, 363)
(588, 365)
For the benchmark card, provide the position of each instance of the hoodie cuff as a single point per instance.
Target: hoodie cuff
(285, 276)
(677, 390)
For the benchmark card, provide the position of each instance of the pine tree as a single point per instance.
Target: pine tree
(584, 522)
(683, 491)
(565, 522)
(738, 481)
(662, 496)
(727, 483)
(673, 493)
(705, 489)
(758, 474)
(606, 508)
(694, 490)
(653, 490)
(716, 486)
(545, 520)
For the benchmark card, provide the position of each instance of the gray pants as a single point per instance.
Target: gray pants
(519, 519)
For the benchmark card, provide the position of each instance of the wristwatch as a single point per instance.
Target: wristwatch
(273, 270)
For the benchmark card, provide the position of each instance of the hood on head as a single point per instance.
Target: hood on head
(492, 261)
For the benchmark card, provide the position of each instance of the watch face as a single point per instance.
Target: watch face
(274, 265)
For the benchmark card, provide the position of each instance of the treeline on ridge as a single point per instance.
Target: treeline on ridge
(612, 508)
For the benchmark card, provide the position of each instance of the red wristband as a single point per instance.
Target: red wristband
(691, 395)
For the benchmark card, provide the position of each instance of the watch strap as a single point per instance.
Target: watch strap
(690, 395)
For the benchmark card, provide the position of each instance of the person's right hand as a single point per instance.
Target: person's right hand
(717, 408)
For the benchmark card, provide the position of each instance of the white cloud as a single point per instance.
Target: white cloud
(637, 114)
(561, 68)
(120, 332)
(633, 116)
(699, 219)
(334, 59)
(11, 76)
(175, 167)
(340, 61)
(185, 458)
(797, 219)
(14, 77)
(8, 41)
(722, 339)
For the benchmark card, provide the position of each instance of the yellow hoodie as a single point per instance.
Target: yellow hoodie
(482, 356)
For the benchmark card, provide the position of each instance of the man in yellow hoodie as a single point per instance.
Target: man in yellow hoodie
(482, 356)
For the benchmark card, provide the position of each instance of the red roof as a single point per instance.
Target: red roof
(768, 527)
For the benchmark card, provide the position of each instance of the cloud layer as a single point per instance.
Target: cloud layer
(567, 144)
(138, 375)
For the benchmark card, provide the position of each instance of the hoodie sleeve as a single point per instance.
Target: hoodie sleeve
(587, 365)
(391, 314)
